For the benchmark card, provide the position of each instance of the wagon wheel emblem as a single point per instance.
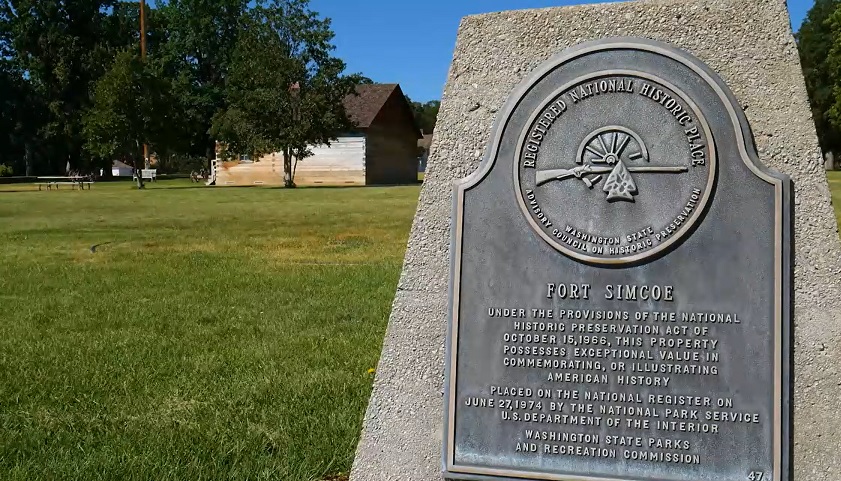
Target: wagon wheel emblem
(607, 151)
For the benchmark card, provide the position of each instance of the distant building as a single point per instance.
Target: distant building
(121, 169)
(381, 149)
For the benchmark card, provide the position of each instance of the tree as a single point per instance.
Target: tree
(62, 47)
(426, 114)
(54, 55)
(200, 40)
(130, 105)
(20, 116)
(833, 67)
(284, 89)
(123, 27)
(819, 45)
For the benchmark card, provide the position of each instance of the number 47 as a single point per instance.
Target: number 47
(755, 476)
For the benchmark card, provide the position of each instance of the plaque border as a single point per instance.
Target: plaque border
(686, 229)
(783, 263)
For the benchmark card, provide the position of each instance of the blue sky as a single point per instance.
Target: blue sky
(411, 43)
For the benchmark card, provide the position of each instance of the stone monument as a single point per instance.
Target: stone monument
(617, 250)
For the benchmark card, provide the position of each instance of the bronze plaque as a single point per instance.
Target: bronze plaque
(620, 281)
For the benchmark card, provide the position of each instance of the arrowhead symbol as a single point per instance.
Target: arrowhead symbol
(620, 185)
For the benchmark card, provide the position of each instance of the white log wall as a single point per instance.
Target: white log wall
(342, 163)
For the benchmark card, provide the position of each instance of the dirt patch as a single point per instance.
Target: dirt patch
(349, 242)
(337, 477)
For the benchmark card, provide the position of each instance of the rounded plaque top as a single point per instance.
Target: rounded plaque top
(615, 167)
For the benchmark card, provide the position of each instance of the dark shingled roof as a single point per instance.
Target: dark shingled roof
(120, 165)
(367, 103)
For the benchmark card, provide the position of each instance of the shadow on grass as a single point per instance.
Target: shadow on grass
(32, 188)
(155, 186)
(18, 191)
(174, 187)
(329, 187)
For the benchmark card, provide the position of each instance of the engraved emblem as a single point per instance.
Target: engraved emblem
(613, 146)
(615, 167)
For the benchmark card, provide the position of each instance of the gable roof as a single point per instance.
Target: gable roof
(369, 99)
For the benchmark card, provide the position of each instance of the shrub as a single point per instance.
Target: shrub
(180, 164)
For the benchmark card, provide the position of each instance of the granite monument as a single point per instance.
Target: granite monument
(723, 58)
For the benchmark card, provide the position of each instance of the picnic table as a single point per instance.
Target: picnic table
(56, 181)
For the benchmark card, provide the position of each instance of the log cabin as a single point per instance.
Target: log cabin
(380, 150)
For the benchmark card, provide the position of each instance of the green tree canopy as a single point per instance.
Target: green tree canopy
(284, 88)
(200, 39)
(819, 45)
(426, 114)
(62, 47)
(130, 105)
(20, 115)
(62, 63)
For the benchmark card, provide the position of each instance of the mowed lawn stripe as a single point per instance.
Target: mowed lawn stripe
(199, 344)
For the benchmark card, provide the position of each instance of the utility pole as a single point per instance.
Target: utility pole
(143, 58)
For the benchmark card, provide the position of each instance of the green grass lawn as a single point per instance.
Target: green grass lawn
(835, 188)
(217, 334)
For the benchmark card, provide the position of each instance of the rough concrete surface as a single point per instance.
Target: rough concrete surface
(750, 44)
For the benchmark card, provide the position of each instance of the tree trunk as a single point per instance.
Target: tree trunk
(288, 180)
(138, 174)
(28, 158)
(139, 159)
(107, 172)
